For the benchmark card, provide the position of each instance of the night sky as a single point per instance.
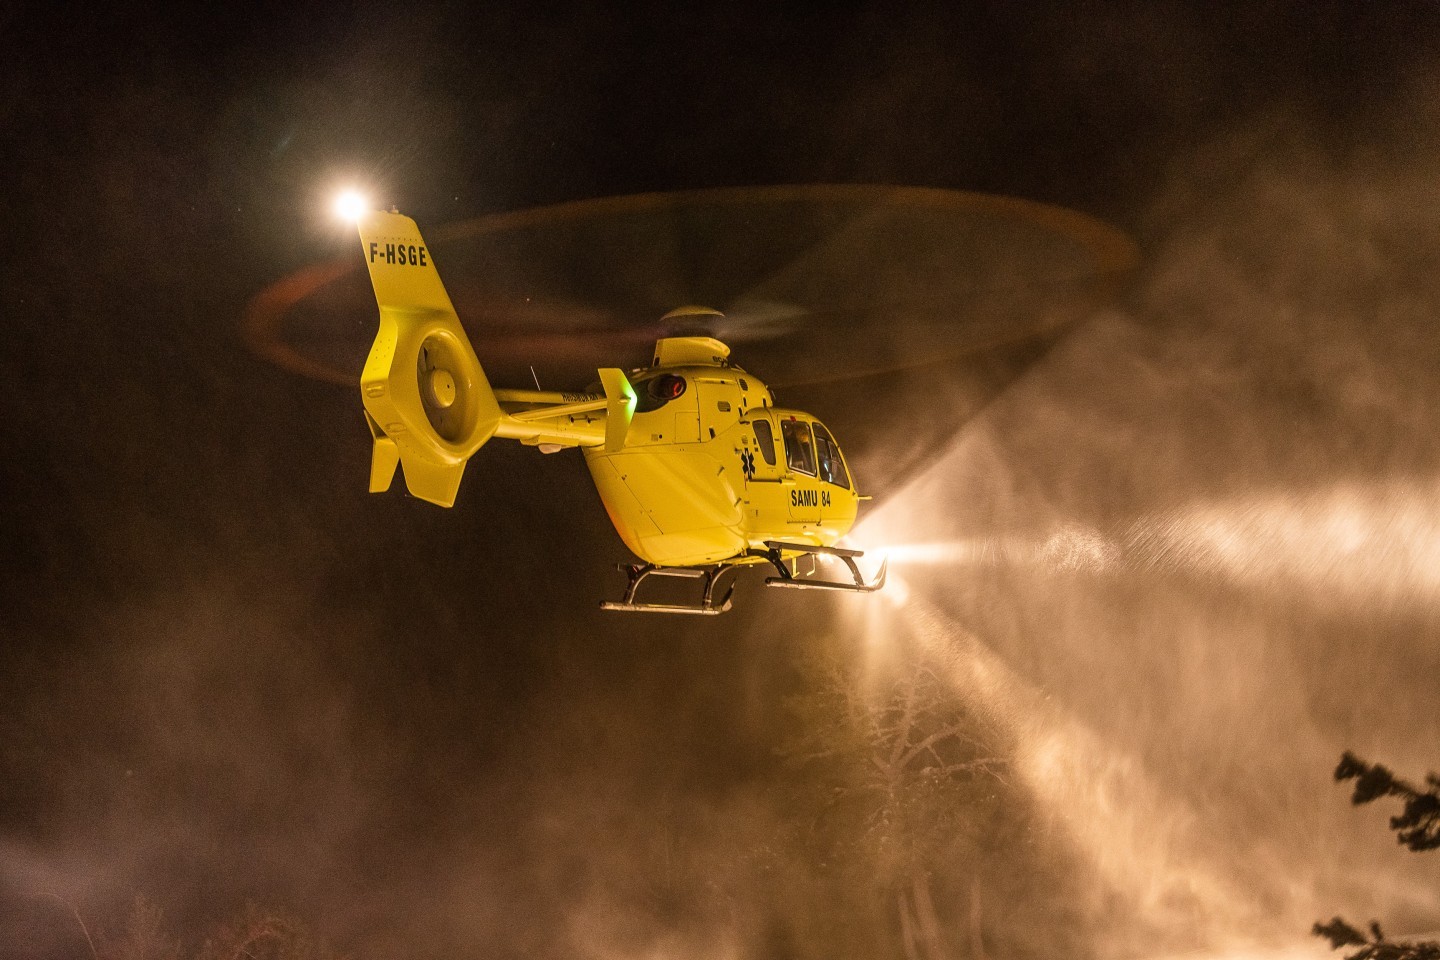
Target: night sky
(1190, 545)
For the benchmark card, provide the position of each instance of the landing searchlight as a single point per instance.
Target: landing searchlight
(700, 473)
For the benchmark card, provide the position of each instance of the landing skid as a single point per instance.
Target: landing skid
(789, 578)
(638, 572)
(773, 554)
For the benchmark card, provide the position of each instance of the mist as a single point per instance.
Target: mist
(1154, 574)
(1188, 557)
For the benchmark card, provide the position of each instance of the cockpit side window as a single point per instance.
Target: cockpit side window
(799, 448)
(832, 467)
(765, 438)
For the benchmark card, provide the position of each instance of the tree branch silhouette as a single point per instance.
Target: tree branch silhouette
(1417, 828)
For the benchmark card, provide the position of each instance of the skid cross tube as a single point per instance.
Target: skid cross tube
(638, 572)
(787, 578)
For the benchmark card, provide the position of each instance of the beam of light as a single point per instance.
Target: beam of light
(1145, 846)
(1154, 849)
(1069, 547)
(1357, 545)
(350, 205)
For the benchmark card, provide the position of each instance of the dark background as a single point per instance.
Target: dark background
(229, 674)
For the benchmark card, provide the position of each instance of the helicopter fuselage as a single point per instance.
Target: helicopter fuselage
(718, 470)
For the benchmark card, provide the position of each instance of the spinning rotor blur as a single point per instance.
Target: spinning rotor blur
(882, 293)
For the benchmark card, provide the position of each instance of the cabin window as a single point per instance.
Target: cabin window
(832, 467)
(765, 439)
(799, 448)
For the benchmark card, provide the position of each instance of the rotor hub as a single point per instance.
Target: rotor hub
(442, 388)
(693, 314)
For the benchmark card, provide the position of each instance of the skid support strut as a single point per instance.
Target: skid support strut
(776, 549)
(637, 572)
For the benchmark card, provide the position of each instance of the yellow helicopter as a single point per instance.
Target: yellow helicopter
(700, 473)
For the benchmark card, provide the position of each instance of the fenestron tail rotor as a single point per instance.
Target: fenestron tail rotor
(443, 396)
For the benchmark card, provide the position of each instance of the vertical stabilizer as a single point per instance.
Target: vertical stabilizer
(427, 399)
